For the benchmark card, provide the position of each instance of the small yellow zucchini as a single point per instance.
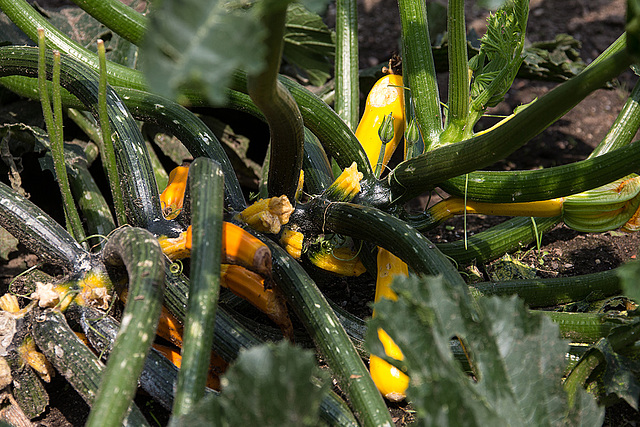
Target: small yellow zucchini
(342, 261)
(172, 197)
(251, 287)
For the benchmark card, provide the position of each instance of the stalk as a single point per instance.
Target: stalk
(625, 126)
(107, 150)
(118, 17)
(347, 100)
(554, 291)
(487, 245)
(412, 177)
(278, 106)
(53, 119)
(140, 253)
(206, 215)
(456, 128)
(419, 68)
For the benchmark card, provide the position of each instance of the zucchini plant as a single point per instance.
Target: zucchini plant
(331, 198)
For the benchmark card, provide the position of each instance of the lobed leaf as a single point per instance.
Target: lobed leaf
(197, 45)
(517, 358)
(268, 385)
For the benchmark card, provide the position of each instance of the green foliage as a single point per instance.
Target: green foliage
(500, 57)
(308, 44)
(197, 45)
(268, 385)
(516, 356)
(629, 274)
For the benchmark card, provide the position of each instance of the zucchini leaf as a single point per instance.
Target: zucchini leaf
(308, 44)
(197, 45)
(517, 358)
(268, 385)
(501, 54)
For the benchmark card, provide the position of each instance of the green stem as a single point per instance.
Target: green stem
(487, 245)
(286, 128)
(206, 190)
(554, 291)
(347, 100)
(140, 253)
(53, 119)
(412, 177)
(419, 69)
(118, 17)
(107, 150)
(624, 128)
(458, 105)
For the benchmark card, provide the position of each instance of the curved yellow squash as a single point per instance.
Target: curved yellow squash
(386, 96)
(391, 382)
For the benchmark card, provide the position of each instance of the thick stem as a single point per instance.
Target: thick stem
(458, 105)
(286, 128)
(414, 176)
(107, 150)
(347, 90)
(419, 68)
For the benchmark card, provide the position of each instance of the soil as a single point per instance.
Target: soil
(596, 24)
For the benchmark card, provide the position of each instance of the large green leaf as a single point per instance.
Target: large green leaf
(308, 44)
(198, 44)
(268, 385)
(517, 358)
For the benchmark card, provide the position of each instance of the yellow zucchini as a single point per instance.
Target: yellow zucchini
(386, 97)
(172, 197)
(391, 382)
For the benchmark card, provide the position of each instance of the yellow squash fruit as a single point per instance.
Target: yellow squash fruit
(389, 380)
(386, 97)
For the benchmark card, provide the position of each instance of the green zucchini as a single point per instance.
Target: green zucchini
(389, 232)
(554, 291)
(140, 253)
(544, 184)
(40, 233)
(206, 183)
(73, 359)
(27, 389)
(330, 337)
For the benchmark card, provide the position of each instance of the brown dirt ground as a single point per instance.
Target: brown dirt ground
(595, 23)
